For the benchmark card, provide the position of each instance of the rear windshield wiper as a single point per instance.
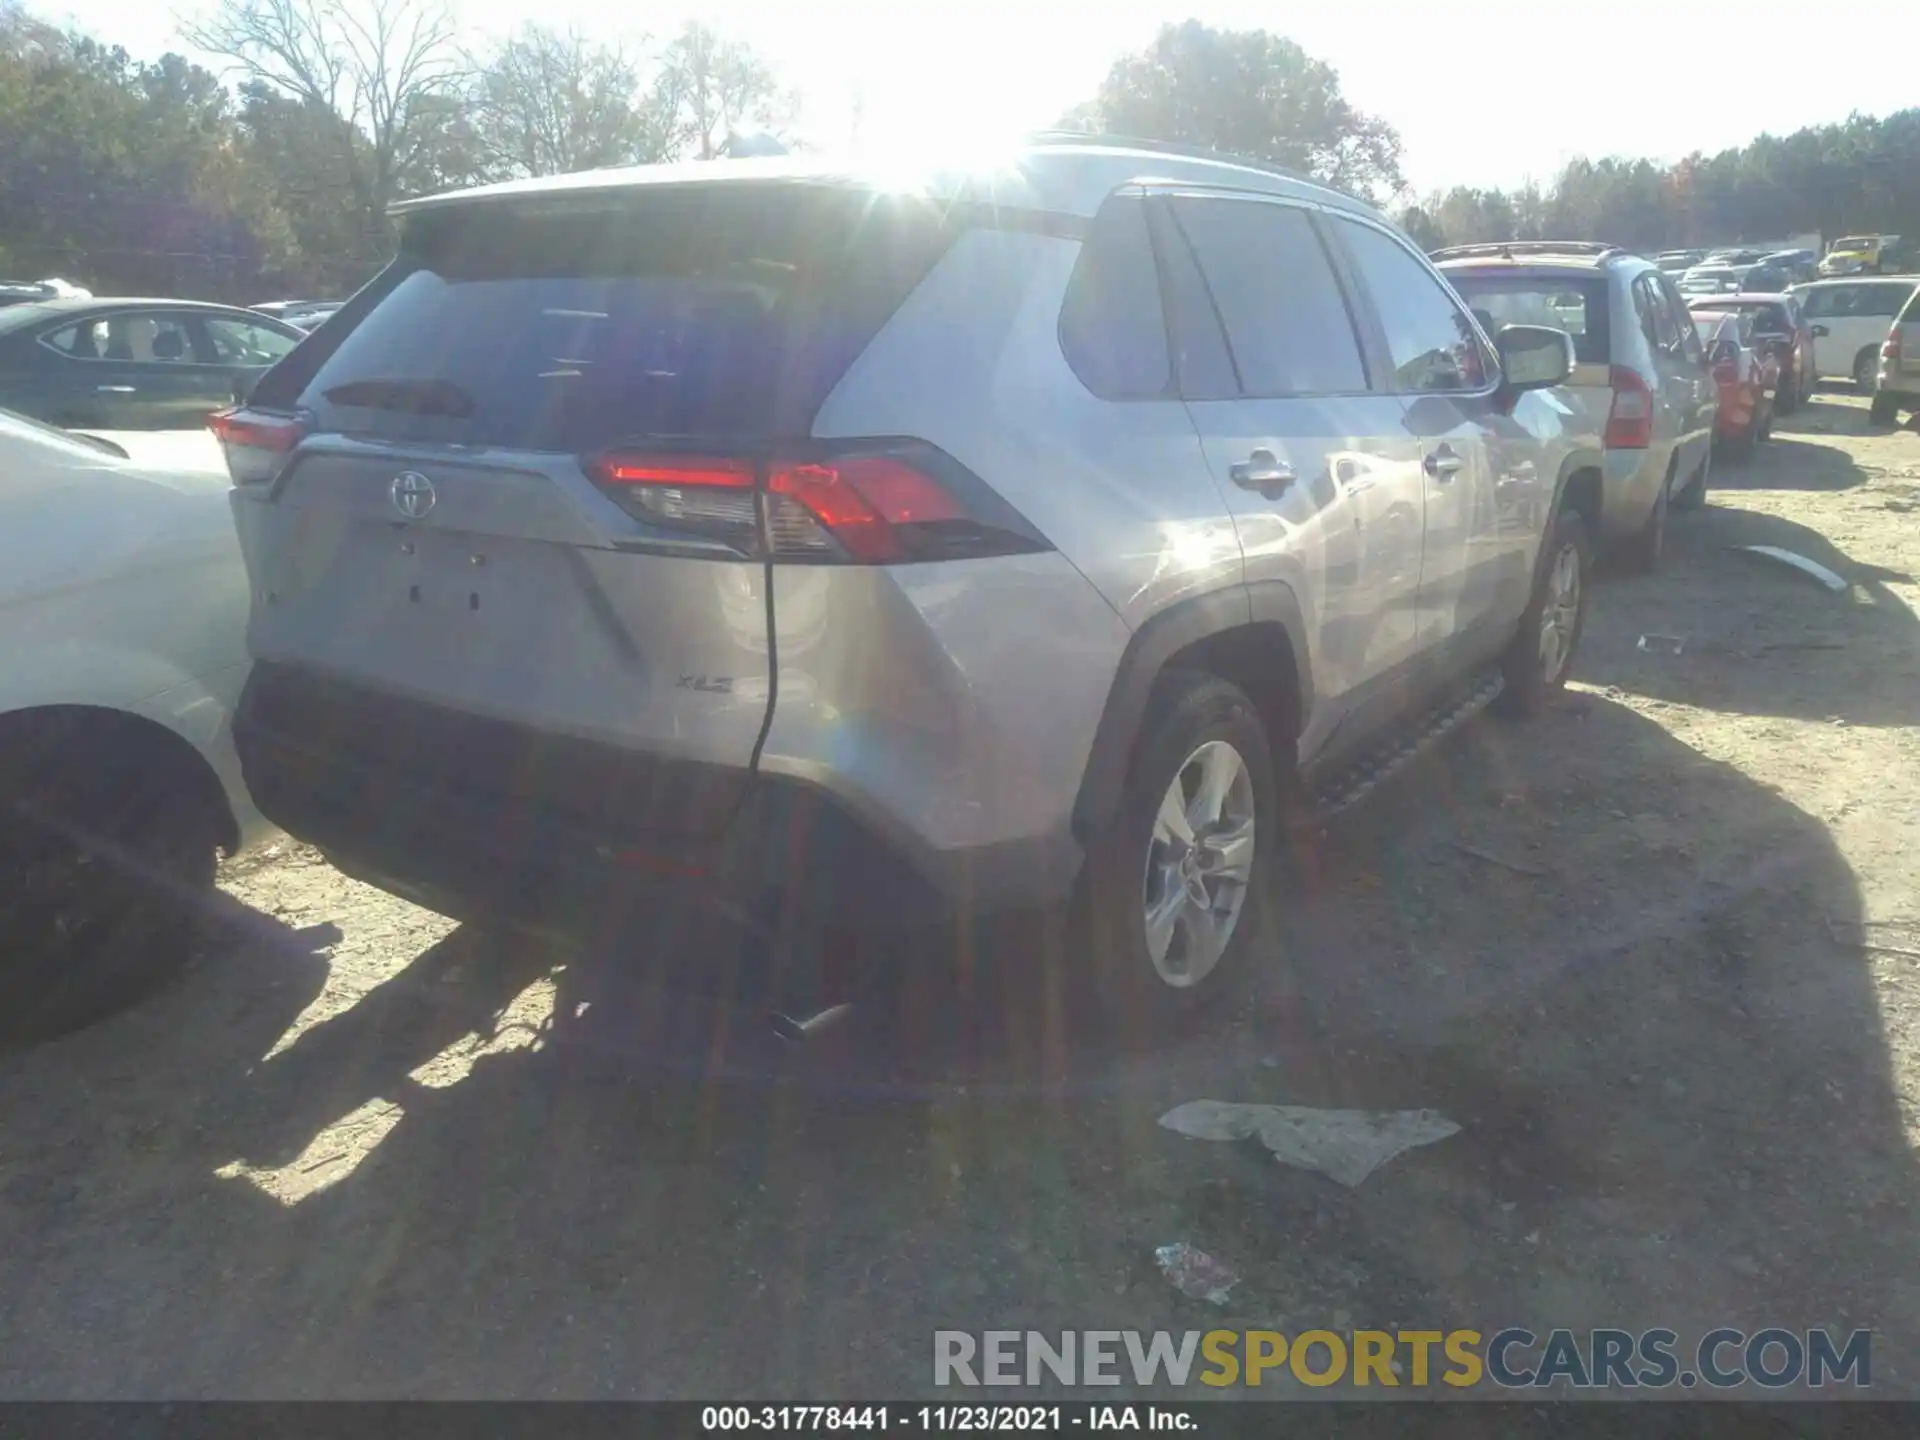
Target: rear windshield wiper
(414, 397)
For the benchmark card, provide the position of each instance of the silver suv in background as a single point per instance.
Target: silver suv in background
(1897, 385)
(755, 533)
(1640, 376)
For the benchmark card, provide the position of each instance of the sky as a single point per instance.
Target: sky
(1486, 94)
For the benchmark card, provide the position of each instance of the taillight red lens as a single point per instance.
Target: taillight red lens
(872, 509)
(256, 444)
(863, 501)
(1891, 349)
(1630, 420)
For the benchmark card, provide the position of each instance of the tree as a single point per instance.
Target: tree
(1421, 229)
(708, 87)
(124, 175)
(359, 71)
(547, 102)
(1251, 93)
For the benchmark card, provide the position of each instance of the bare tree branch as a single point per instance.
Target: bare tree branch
(366, 64)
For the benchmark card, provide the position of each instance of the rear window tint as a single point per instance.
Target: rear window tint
(1577, 306)
(702, 312)
(1112, 328)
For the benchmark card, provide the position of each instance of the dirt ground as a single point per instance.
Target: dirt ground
(358, 1152)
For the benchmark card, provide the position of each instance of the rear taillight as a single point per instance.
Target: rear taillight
(864, 508)
(1630, 421)
(256, 443)
(1890, 350)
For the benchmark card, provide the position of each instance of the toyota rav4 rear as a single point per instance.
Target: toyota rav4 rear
(567, 590)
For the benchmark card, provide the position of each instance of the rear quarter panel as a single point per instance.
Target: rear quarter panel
(972, 363)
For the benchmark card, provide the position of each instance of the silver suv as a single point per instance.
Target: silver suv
(758, 534)
(1640, 375)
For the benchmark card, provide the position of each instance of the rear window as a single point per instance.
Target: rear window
(704, 312)
(1578, 307)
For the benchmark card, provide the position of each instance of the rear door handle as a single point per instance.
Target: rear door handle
(1443, 464)
(1263, 472)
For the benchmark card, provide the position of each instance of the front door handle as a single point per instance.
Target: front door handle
(1443, 464)
(1263, 472)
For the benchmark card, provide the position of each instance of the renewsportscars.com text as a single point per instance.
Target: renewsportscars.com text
(1514, 1358)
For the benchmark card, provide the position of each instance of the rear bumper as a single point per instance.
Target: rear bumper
(518, 849)
(1630, 483)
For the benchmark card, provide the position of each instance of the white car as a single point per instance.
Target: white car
(1850, 320)
(123, 608)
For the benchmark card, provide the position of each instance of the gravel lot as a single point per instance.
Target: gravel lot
(358, 1151)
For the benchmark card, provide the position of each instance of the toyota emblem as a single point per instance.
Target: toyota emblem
(412, 494)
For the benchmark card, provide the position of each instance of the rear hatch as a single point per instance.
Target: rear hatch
(503, 515)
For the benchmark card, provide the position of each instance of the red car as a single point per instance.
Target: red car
(1778, 326)
(1747, 372)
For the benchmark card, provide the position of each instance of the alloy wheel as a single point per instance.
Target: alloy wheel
(1199, 864)
(1560, 614)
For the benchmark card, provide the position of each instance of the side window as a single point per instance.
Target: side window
(1430, 340)
(1644, 310)
(235, 342)
(1819, 303)
(1269, 280)
(1682, 319)
(1843, 300)
(1666, 329)
(1882, 299)
(81, 342)
(149, 337)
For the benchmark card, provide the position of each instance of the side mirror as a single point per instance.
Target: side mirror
(1820, 330)
(1533, 357)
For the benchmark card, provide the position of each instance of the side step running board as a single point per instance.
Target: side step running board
(1358, 779)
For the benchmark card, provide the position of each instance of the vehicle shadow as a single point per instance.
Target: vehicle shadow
(1602, 954)
(1756, 637)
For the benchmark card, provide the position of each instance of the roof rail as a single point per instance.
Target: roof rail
(1510, 249)
(1165, 147)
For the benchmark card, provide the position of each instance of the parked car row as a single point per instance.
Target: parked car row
(1640, 379)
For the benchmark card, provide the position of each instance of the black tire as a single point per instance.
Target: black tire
(1640, 553)
(1128, 1000)
(1531, 683)
(1693, 494)
(101, 860)
(1866, 370)
(1885, 409)
(1740, 449)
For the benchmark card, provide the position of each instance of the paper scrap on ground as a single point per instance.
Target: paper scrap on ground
(1799, 562)
(1195, 1273)
(1347, 1145)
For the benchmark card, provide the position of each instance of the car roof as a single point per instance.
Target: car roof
(1065, 177)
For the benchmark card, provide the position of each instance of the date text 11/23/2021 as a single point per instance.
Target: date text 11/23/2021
(941, 1419)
